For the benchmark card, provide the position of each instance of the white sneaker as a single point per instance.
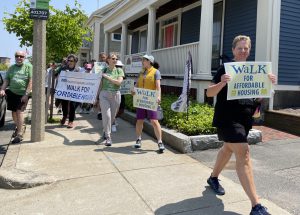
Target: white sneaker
(161, 147)
(113, 128)
(138, 144)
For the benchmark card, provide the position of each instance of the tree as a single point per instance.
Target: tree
(3, 67)
(66, 29)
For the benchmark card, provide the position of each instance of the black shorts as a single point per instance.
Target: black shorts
(234, 133)
(14, 102)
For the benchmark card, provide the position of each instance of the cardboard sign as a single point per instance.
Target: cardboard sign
(99, 67)
(146, 99)
(127, 86)
(249, 80)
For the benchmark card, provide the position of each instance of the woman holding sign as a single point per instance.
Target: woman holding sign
(69, 107)
(149, 78)
(233, 119)
(109, 95)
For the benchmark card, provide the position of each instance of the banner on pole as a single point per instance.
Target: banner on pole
(146, 99)
(181, 104)
(78, 87)
(249, 80)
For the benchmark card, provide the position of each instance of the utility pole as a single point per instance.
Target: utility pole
(39, 12)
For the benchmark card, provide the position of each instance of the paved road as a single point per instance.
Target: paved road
(5, 135)
(276, 170)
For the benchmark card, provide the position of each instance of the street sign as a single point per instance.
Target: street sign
(39, 9)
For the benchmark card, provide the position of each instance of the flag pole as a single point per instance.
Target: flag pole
(188, 88)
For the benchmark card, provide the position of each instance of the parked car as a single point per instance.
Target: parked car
(2, 101)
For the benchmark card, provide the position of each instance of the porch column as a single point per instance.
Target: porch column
(267, 34)
(96, 42)
(205, 40)
(106, 42)
(151, 29)
(124, 41)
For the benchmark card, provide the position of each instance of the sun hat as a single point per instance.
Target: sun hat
(119, 63)
(149, 57)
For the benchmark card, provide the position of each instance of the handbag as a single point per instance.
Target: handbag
(160, 113)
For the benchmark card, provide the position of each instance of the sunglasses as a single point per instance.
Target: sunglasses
(71, 61)
(114, 58)
(19, 56)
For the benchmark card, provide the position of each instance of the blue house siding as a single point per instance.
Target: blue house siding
(289, 44)
(135, 42)
(240, 18)
(190, 26)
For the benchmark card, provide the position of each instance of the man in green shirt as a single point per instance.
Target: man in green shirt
(19, 81)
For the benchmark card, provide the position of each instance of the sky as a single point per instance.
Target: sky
(9, 43)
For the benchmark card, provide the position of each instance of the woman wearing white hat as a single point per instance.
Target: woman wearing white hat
(149, 78)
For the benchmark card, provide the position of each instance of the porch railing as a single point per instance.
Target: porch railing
(172, 60)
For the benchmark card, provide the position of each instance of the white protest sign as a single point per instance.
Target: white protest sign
(78, 87)
(126, 86)
(249, 80)
(146, 99)
(99, 67)
(136, 64)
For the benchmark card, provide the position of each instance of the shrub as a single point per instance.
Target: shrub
(199, 116)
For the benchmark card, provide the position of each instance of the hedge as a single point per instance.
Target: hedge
(199, 116)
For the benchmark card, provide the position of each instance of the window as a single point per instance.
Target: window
(116, 37)
(169, 32)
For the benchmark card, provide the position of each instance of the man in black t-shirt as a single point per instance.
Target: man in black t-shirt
(233, 119)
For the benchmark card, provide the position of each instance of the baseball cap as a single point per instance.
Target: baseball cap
(119, 63)
(88, 66)
(149, 57)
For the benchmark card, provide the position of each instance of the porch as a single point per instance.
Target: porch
(171, 60)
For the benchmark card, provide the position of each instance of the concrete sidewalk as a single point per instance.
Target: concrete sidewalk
(89, 178)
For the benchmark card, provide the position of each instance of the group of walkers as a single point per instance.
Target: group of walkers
(232, 118)
(109, 100)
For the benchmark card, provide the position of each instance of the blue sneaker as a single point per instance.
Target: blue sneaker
(259, 210)
(215, 185)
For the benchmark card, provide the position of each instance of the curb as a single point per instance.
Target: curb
(188, 144)
(13, 178)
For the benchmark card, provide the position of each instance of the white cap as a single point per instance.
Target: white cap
(119, 63)
(149, 57)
